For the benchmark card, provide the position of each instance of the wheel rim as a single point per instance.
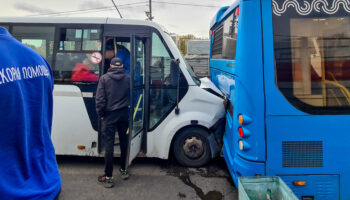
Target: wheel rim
(193, 147)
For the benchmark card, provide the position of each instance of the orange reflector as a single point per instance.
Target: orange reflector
(240, 119)
(299, 183)
(81, 147)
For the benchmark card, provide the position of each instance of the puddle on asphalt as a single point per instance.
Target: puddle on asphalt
(184, 175)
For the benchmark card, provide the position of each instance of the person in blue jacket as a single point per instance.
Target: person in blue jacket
(122, 53)
(28, 167)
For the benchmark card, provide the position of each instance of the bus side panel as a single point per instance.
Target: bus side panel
(298, 143)
(295, 146)
(71, 124)
(249, 94)
(318, 186)
(226, 83)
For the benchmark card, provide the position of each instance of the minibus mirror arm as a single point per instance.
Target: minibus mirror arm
(177, 109)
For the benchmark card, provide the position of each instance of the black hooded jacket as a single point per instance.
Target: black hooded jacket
(113, 91)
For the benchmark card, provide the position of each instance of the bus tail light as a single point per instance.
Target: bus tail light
(241, 132)
(244, 119)
(240, 119)
(299, 183)
(237, 11)
(241, 145)
(211, 32)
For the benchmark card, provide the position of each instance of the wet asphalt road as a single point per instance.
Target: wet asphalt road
(150, 179)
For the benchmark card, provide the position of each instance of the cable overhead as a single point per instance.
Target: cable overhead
(186, 4)
(128, 5)
(117, 9)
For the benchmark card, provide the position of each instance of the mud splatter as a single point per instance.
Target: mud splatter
(184, 175)
(181, 195)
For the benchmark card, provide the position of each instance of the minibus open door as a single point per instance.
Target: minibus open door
(137, 97)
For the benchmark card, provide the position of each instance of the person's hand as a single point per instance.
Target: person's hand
(102, 118)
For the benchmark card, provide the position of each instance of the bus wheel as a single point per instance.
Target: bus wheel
(191, 147)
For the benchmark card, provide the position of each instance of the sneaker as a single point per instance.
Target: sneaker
(124, 174)
(107, 182)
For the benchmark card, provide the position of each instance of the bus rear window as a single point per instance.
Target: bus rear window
(225, 38)
(312, 57)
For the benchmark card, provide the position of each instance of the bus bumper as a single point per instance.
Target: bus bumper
(240, 167)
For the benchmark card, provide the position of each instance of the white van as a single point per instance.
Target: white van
(171, 109)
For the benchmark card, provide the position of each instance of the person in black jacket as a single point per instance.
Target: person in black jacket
(112, 102)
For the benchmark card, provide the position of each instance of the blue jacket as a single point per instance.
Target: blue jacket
(28, 168)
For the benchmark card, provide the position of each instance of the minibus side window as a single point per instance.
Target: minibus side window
(163, 82)
(92, 40)
(225, 38)
(39, 38)
(312, 56)
(79, 55)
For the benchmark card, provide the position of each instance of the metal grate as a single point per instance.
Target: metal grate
(302, 153)
(217, 42)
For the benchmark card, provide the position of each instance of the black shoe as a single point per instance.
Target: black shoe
(107, 182)
(124, 174)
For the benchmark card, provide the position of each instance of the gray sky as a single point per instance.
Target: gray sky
(172, 14)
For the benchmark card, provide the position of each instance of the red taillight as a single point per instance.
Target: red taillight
(211, 32)
(237, 11)
(240, 131)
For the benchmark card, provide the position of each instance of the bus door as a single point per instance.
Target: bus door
(138, 100)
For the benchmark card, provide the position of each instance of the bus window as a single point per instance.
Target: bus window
(39, 38)
(70, 39)
(91, 40)
(312, 56)
(225, 38)
(163, 82)
(71, 63)
(75, 67)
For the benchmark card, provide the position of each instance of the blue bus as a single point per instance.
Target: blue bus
(284, 66)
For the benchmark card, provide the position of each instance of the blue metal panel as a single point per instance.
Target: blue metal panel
(287, 124)
(218, 16)
(249, 94)
(329, 130)
(222, 65)
(320, 186)
(240, 167)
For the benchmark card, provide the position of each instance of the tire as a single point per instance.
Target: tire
(187, 147)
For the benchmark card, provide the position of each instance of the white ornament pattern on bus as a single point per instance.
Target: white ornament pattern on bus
(306, 8)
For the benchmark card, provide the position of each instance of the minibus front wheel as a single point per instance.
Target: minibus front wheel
(191, 147)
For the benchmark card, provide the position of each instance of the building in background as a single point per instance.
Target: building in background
(198, 56)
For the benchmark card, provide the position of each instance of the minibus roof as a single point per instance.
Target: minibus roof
(77, 20)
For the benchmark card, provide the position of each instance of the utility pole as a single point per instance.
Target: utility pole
(150, 10)
(149, 13)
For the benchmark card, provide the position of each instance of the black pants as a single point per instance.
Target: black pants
(117, 119)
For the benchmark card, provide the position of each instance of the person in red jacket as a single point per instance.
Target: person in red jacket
(82, 72)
